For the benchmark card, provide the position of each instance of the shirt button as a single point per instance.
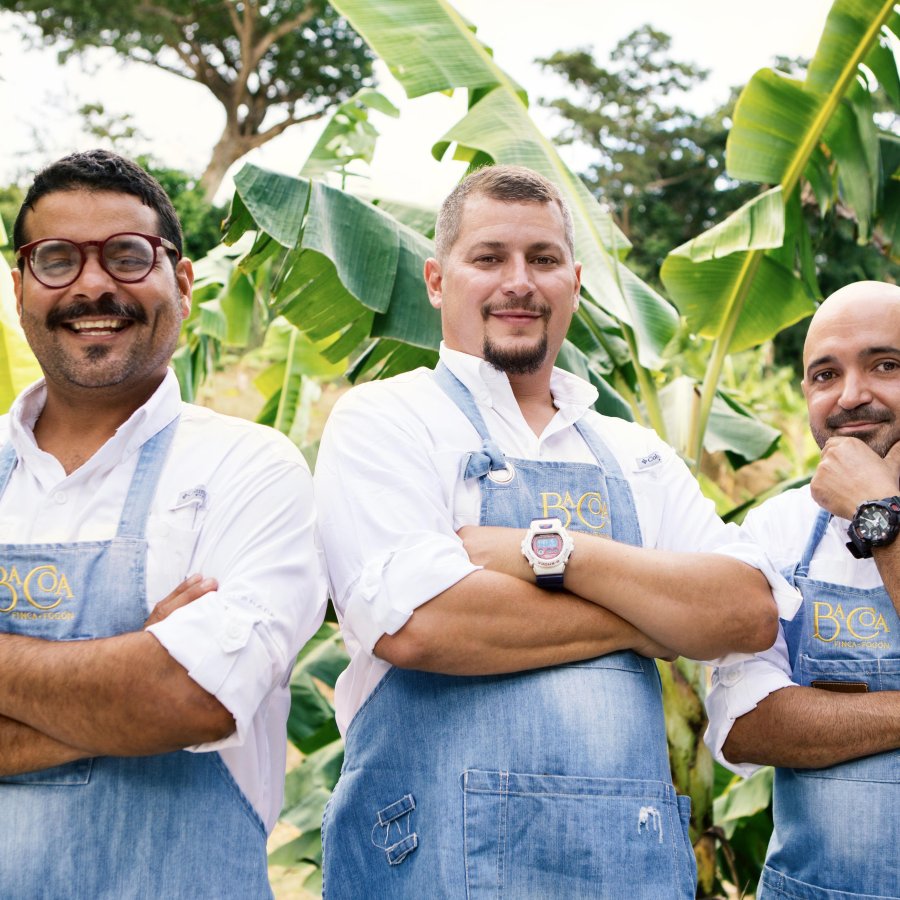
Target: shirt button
(60, 497)
(729, 676)
(234, 631)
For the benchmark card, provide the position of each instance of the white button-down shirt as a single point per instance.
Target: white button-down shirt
(782, 527)
(390, 496)
(234, 502)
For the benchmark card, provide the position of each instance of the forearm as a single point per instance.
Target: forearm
(700, 605)
(490, 623)
(802, 727)
(22, 749)
(121, 696)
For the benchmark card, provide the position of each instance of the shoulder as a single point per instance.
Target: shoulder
(781, 525)
(406, 402)
(227, 440)
(406, 386)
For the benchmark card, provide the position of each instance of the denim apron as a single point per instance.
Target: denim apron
(836, 829)
(171, 826)
(546, 783)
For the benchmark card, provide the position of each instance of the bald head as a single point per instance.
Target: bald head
(851, 365)
(853, 305)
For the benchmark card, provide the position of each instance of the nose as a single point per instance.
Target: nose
(517, 277)
(93, 280)
(855, 390)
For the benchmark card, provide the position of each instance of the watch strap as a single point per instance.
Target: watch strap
(550, 582)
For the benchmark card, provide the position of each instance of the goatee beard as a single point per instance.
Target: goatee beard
(518, 360)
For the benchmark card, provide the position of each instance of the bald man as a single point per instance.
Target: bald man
(823, 705)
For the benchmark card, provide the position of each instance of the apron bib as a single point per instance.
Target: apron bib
(173, 825)
(545, 783)
(838, 826)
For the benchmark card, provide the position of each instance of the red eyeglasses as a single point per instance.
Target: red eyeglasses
(128, 257)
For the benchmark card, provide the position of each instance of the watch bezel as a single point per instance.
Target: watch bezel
(861, 546)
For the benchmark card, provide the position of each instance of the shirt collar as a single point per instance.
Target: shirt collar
(162, 407)
(572, 395)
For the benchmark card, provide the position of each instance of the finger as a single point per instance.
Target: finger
(189, 590)
(892, 458)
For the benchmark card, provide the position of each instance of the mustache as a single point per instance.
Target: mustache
(542, 309)
(105, 307)
(867, 414)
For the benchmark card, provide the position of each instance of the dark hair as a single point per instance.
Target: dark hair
(100, 170)
(509, 184)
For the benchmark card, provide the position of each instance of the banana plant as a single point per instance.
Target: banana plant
(18, 367)
(753, 274)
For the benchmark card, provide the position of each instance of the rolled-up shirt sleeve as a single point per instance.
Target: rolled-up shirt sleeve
(240, 641)
(738, 684)
(384, 519)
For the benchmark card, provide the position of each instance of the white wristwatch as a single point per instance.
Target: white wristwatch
(547, 547)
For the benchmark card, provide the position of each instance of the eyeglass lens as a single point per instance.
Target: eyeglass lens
(127, 257)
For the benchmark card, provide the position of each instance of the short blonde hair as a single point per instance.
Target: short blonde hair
(509, 184)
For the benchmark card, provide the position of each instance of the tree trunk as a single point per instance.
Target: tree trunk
(229, 148)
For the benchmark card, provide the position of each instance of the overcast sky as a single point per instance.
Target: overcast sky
(732, 39)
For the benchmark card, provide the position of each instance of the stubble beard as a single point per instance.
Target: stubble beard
(879, 441)
(88, 368)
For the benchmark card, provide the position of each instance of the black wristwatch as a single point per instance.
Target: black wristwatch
(875, 524)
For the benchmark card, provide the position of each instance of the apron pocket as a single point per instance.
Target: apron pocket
(624, 660)
(529, 835)
(73, 773)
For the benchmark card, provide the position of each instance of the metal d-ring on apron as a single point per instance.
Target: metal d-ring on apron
(173, 825)
(546, 783)
(836, 829)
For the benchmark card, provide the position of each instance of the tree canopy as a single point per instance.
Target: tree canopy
(659, 166)
(271, 64)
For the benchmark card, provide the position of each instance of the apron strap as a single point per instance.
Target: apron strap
(490, 458)
(801, 570)
(8, 460)
(136, 510)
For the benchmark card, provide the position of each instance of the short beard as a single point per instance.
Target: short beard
(516, 361)
(881, 444)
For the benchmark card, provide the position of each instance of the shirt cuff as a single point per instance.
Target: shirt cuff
(224, 648)
(392, 586)
(736, 689)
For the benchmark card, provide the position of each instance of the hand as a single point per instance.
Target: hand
(193, 587)
(851, 472)
(497, 549)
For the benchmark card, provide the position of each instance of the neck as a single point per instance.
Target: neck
(74, 425)
(532, 392)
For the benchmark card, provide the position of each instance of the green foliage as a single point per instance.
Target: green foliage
(291, 59)
(201, 221)
(659, 166)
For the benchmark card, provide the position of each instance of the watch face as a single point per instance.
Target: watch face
(873, 523)
(547, 546)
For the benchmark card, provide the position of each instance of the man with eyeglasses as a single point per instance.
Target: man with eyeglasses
(157, 572)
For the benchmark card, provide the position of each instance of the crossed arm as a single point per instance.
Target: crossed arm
(658, 603)
(65, 700)
(803, 727)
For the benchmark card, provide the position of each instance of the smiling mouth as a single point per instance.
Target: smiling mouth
(97, 326)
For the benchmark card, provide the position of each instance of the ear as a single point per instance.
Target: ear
(433, 282)
(17, 289)
(577, 285)
(184, 278)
